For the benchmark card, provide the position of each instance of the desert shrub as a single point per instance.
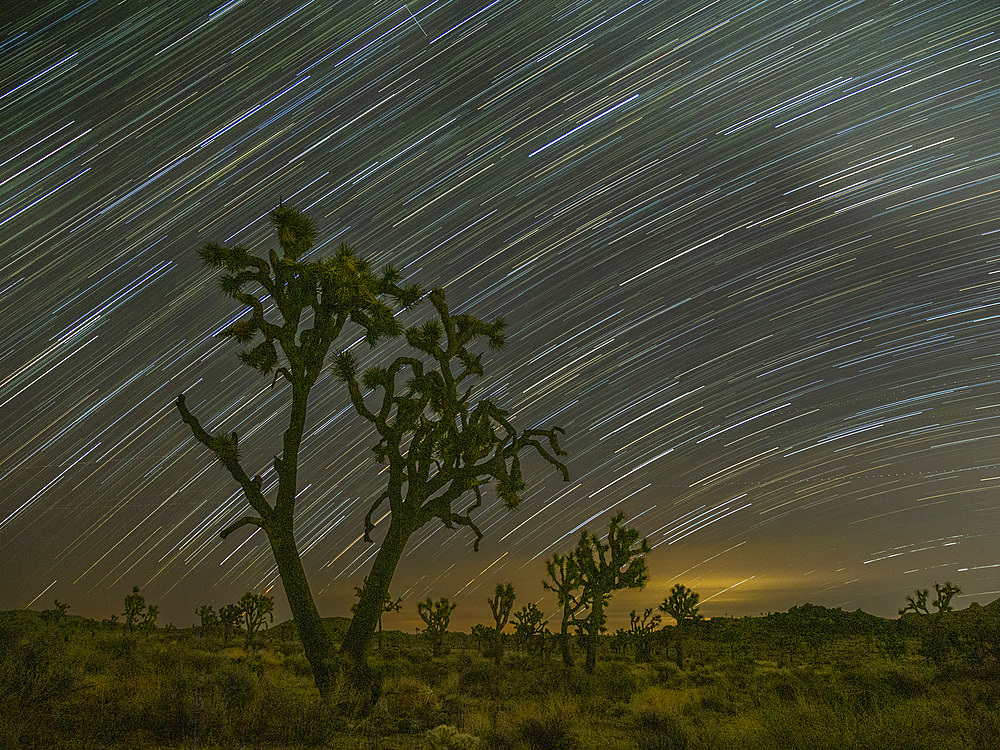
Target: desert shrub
(447, 737)
(235, 683)
(784, 686)
(718, 699)
(430, 672)
(660, 731)
(479, 678)
(412, 705)
(612, 681)
(555, 723)
(124, 650)
(667, 674)
(453, 709)
(298, 665)
(549, 730)
(35, 672)
(277, 714)
(168, 709)
(904, 683)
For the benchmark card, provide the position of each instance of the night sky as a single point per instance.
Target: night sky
(746, 252)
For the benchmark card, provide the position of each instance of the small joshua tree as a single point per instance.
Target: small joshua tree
(484, 637)
(135, 605)
(682, 605)
(501, 605)
(938, 641)
(209, 619)
(388, 605)
(529, 626)
(640, 628)
(945, 594)
(149, 618)
(571, 596)
(436, 616)
(255, 608)
(230, 616)
(916, 603)
(606, 567)
(620, 641)
(56, 614)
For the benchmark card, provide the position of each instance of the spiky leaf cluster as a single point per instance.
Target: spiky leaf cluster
(945, 593)
(681, 604)
(254, 608)
(616, 563)
(335, 290)
(436, 615)
(641, 625)
(388, 603)
(501, 603)
(529, 621)
(438, 443)
(568, 584)
(916, 603)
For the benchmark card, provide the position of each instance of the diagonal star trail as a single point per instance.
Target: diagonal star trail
(748, 253)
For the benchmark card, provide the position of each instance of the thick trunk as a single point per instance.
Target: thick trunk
(567, 653)
(498, 654)
(593, 633)
(369, 610)
(315, 640)
(680, 648)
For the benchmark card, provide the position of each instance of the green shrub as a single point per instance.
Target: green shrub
(447, 737)
(412, 705)
(667, 674)
(549, 732)
(479, 678)
(236, 684)
(904, 683)
(35, 672)
(615, 682)
(660, 731)
(551, 728)
(298, 664)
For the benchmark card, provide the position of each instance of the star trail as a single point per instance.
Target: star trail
(745, 251)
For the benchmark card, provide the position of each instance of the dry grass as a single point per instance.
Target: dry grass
(76, 687)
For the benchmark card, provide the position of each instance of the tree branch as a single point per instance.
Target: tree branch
(246, 520)
(226, 454)
(369, 526)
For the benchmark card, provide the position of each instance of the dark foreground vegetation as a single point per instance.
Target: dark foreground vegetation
(808, 678)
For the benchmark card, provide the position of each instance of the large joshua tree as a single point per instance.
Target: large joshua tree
(501, 604)
(309, 304)
(439, 447)
(571, 595)
(682, 605)
(605, 567)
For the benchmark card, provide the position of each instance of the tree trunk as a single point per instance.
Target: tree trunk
(593, 632)
(315, 640)
(680, 647)
(380, 633)
(369, 610)
(567, 653)
(498, 653)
